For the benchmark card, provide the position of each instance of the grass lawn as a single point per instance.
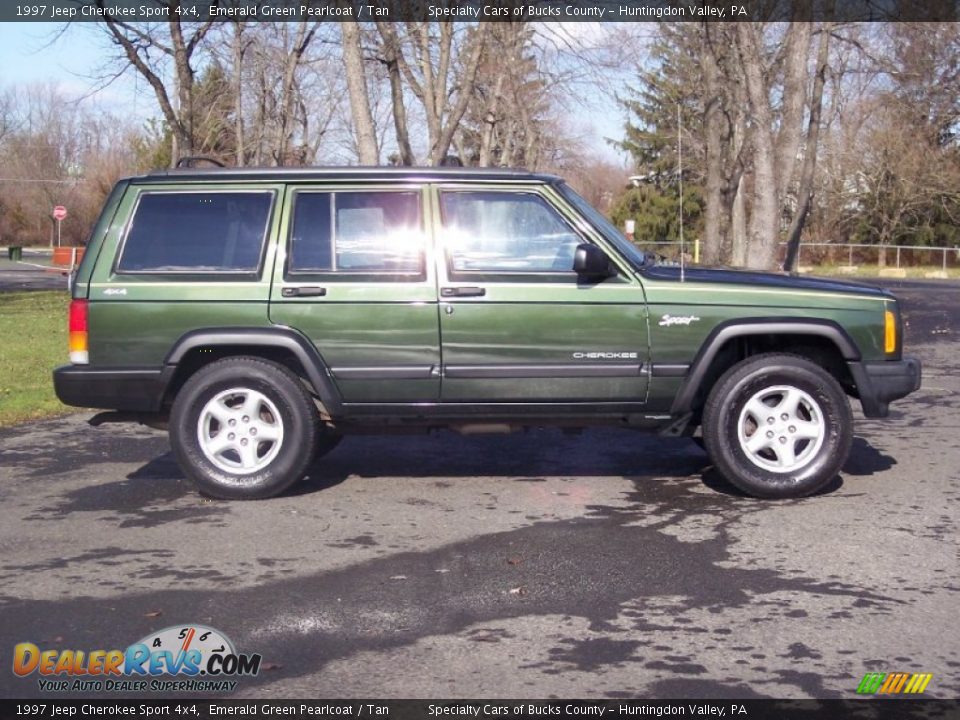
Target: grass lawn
(33, 340)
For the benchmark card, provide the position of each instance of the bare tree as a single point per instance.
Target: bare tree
(718, 134)
(278, 100)
(762, 117)
(238, 46)
(8, 119)
(805, 191)
(57, 151)
(288, 105)
(764, 218)
(178, 42)
(362, 116)
(390, 56)
(439, 64)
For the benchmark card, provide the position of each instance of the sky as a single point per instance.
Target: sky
(36, 52)
(33, 52)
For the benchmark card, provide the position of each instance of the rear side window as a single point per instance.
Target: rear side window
(357, 232)
(197, 232)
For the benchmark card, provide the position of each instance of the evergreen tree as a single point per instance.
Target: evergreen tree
(669, 82)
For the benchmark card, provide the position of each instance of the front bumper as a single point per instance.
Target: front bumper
(879, 384)
(134, 389)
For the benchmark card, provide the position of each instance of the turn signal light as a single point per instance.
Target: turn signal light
(78, 332)
(889, 332)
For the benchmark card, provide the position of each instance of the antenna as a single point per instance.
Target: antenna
(680, 171)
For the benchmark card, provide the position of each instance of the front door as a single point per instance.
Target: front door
(356, 275)
(516, 323)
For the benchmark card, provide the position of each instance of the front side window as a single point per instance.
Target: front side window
(358, 232)
(505, 232)
(197, 232)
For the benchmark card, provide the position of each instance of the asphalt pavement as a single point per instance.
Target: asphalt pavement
(34, 272)
(606, 564)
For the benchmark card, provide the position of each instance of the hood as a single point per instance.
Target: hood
(729, 276)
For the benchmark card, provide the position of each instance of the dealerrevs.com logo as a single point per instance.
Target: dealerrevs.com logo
(186, 658)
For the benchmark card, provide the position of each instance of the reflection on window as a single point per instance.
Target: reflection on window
(377, 232)
(505, 232)
(197, 232)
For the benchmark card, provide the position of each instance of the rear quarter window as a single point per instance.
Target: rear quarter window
(197, 232)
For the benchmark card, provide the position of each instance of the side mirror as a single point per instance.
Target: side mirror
(590, 261)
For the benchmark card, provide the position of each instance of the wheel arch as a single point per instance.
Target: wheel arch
(282, 344)
(733, 340)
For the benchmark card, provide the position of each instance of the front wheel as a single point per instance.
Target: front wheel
(243, 428)
(777, 426)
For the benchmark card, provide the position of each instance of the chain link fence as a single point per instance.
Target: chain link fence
(852, 258)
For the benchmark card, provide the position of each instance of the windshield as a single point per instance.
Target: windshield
(609, 231)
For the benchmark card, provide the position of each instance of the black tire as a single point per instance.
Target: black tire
(297, 420)
(763, 377)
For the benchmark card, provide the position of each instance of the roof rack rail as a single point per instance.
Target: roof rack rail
(189, 160)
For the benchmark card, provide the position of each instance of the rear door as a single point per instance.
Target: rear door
(355, 273)
(517, 324)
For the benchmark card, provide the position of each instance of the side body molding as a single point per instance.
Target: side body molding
(729, 329)
(280, 337)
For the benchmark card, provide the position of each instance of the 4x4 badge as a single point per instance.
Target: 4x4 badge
(115, 291)
(668, 320)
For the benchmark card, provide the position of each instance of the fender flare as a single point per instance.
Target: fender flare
(683, 403)
(280, 336)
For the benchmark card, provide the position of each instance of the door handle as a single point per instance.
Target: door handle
(305, 291)
(463, 292)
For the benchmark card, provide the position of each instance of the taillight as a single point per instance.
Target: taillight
(78, 332)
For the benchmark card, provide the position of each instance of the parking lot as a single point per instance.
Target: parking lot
(606, 564)
(33, 273)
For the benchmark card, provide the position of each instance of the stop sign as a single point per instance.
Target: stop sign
(59, 212)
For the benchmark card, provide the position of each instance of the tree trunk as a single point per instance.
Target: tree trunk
(805, 192)
(287, 110)
(713, 122)
(434, 59)
(238, 51)
(467, 82)
(183, 81)
(763, 225)
(391, 52)
(796, 51)
(739, 245)
(366, 135)
(490, 119)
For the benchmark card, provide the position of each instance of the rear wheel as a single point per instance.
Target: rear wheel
(243, 428)
(778, 426)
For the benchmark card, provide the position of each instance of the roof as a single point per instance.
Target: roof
(347, 173)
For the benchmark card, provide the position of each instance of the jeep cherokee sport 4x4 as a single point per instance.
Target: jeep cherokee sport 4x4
(262, 314)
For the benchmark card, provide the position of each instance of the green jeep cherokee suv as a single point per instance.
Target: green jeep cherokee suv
(262, 314)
